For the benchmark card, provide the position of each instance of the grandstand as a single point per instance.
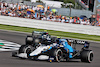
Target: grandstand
(28, 10)
(87, 5)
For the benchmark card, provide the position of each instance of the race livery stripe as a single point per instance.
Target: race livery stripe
(1, 44)
(8, 46)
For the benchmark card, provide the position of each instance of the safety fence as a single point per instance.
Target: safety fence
(58, 26)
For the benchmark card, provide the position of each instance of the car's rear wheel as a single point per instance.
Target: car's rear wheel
(87, 56)
(29, 40)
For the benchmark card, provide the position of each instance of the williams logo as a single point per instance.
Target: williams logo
(8, 46)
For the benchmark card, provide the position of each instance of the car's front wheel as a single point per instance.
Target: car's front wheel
(26, 49)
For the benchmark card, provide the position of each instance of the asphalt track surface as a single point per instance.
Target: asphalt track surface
(6, 60)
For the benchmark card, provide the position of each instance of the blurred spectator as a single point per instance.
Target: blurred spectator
(85, 21)
(92, 20)
(47, 13)
(63, 19)
(75, 20)
(78, 20)
(66, 20)
(98, 23)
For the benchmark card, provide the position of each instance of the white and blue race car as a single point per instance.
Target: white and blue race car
(54, 49)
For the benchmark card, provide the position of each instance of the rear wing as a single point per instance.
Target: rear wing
(78, 42)
(86, 44)
(37, 32)
(34, 33)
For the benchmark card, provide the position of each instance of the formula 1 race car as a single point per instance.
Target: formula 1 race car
(54, 49)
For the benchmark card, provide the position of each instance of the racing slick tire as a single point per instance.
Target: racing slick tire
(26, 49)
(29, 40)
(21, 49)
(87, 56)
(57, 54)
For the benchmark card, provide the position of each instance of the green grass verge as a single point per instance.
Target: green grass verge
(51, 32)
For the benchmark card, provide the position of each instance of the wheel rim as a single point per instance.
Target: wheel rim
(28, 51)
(91, 56)
(59, 55)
